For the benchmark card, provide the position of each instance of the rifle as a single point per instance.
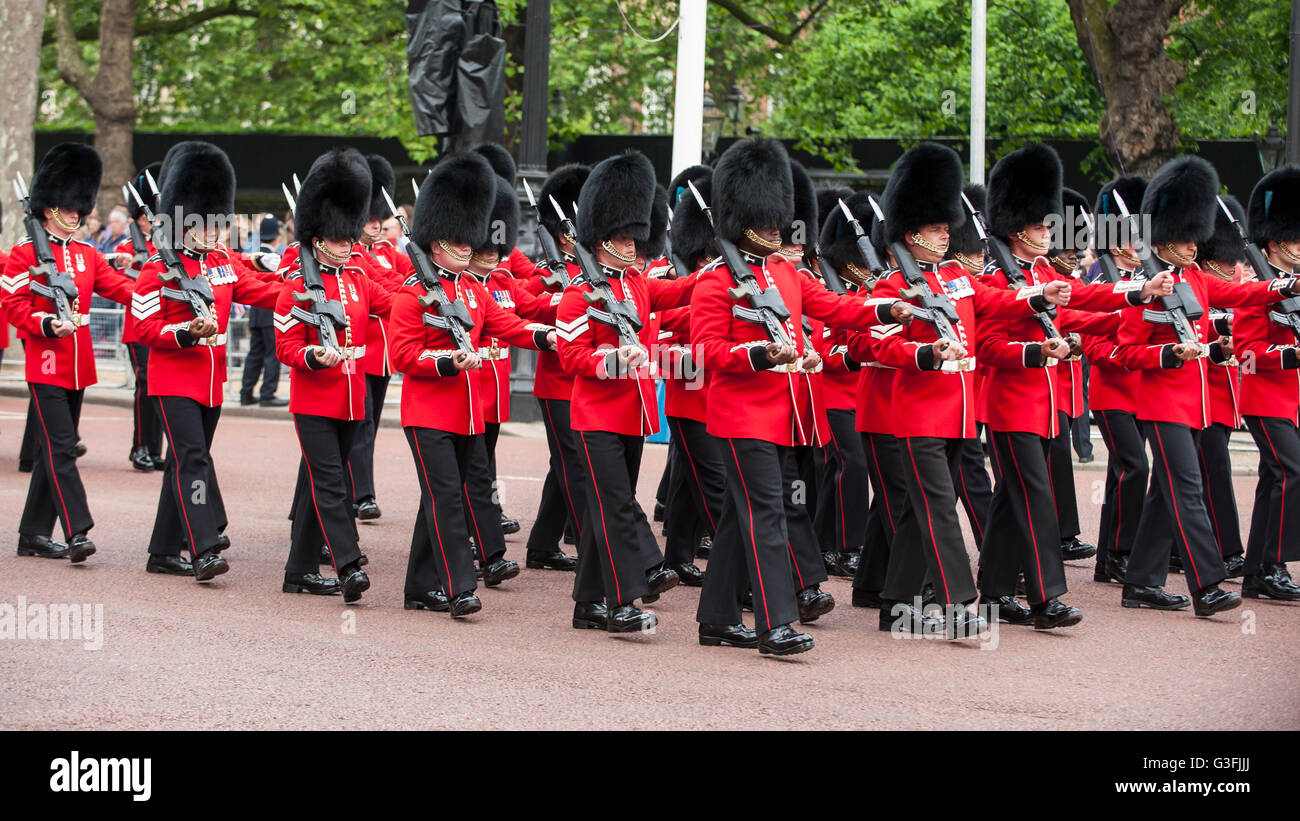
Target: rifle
(559, 275)
(139, 248)
(935, 309)
(766, 307)
(452, 315)
(1182, 306)
(618, 314)
(832, 279)
(61, 288)
(865, 248)
(1287, 312)
(322, 313)
(996, 248)
(195, 291)
(1109, 270)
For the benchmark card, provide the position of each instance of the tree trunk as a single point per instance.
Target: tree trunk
(1124, 41)
(113, 99)
(22, 22)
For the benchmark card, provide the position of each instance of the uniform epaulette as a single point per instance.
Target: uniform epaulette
(413, 279)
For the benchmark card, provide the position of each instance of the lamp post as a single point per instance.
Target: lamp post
(1272, 149)
(734, 101)
(713, 118)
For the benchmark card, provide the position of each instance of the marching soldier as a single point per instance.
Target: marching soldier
(1270, 394)
(1173, 404)
(614, 405)
(327, 388)
(60, 357)
(754, 400)
(442, 403)
(188, 363)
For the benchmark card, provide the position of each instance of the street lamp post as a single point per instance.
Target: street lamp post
(713, 120)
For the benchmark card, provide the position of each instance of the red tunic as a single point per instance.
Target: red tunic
(1270, 372)
(128, 321)
(511, 295)
(392, 268)
(550, 380)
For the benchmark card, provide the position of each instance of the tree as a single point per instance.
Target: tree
(20, 55)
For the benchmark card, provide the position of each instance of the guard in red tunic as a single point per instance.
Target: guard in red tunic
(187, 369)
(147, 429)
(1113, 398)
(1173, 401)
(1270, 394)
(614, 405)
(392, 268)
(563, 496)
(442, 402)
(327, 394)
(755, 405)
(60, 355)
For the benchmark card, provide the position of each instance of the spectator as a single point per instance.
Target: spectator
(116, 232)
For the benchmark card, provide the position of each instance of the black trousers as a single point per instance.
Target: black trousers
(491, 433)
(1061, 468)
(1174, 509)
(973, 487)
(1277, 497)
(1080, 428)
(888, 497)
(361, 462)
(841, 516)
(440, 556)
(323, 506)
(563, 495)
(1127, 473)
(190, 509)
(806, 462)
(148, 430)
(55, 489)
(664, 490)
(1220, 497)
(695, 489)
(753, 546)
(482, 514)
(928, 541)
(1023, 533)
(261, 361)
(617, 546)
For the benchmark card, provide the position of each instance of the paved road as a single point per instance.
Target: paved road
(237, 653)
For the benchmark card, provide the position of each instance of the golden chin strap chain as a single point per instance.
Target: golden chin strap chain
(330, 256)
(1128, 255)
(1288, 253)
(972, 265)
(1038, 247)
(790, 253)
(1182, 261)
(927, 245)
(196, 242)
(1217, 271)
(483, 261)
(452, 252)
(753, 237)
(64, 224)
(616, 254)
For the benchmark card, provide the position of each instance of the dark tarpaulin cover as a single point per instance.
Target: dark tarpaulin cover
(456, 69)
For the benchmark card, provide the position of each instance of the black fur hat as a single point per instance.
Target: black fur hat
(1275, 207)
(1024, 187)
(1074, 224)
(334, 198)
(692, 233)
(455, 202)
(200, 183)
(565, 184)
(653, 248)
(924, 188)
(141, 185)
(68, 177)
(1106, 210)
(617, 200)
(503, 226)
(382, 179)
(964, 239)
(752, 188)
(838, 241)
(1180, 201)
(1225, 245)
(803, 228)
(677, 190)
(503, 165)
(828, 197)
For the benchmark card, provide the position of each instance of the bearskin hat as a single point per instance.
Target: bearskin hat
(382, 179)
(1106, 210)
(200, 181)
(653, 248)
(752, 188)
(68, 177)
(692, 232)
(1180, 201)
(1074, 223)
(828, 199)
(617, 200)
(1275, 207)
(924, 188)
(964, 239)
(503, 226)
(803, 228)
(503, 165)
(334, 197)
(838, 240)
(1225, 245)
(678, 190)
(141, 184)
(455, 203)
(1024, 188)
(565, 184)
